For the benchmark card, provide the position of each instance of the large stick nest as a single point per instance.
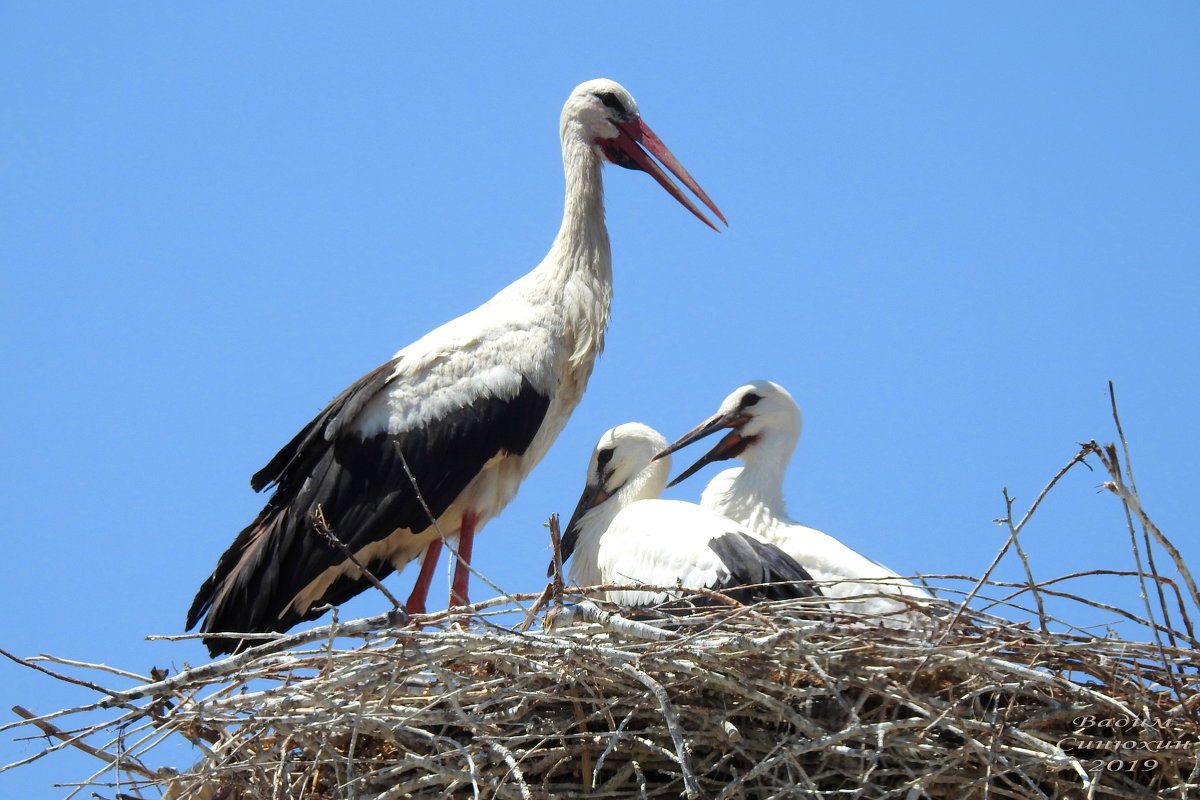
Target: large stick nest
(753, 703)
(777, 700)
(786, 700)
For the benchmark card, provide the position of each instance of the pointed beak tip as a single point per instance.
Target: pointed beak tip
(644, 144)
(668, 450)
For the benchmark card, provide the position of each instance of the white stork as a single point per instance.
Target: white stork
(622, 533)
(764, 423)
(467, 410)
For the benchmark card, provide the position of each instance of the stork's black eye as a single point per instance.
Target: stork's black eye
(603, 457)
(612, 101)
(749, 400)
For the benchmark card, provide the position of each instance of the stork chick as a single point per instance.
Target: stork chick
(621, 533)
(763, 424)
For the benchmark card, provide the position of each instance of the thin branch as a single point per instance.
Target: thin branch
(557, 583)
(1112, 398)
(671, 719)
(57, 675)
(1012, 536)
(590, 612)
(127, 763)
(554, 587)
(1078, 458)
(1136, 507)
(68, 662)
(1160, 579)
(228, 665)
(322, 527)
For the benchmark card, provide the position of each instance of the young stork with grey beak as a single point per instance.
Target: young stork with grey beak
(621, 532)
(764, 425)
(462, 414)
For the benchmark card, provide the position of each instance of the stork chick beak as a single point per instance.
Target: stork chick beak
(627, 151)
(730, 446)
(592, 496)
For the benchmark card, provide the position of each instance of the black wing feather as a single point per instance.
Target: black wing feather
(751, 562)
(292, 458)
(362, 490)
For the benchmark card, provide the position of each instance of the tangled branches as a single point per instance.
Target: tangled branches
(780, 700)
(783, 700)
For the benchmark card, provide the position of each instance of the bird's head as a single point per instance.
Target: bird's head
(595, 108)
(603, 114)
(755, 414)
(619, 473)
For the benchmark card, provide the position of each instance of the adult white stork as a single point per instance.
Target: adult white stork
(463, 413)
(764, 426)
(621, 532)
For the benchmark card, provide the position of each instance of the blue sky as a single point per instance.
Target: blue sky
(950, 225)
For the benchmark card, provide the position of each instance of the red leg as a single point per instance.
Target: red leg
(416, 600)
(466, 539)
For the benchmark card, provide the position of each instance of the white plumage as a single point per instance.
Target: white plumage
(764, 425)
(621, 533)
(467, 410)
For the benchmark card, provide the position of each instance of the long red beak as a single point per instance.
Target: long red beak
(636, 135)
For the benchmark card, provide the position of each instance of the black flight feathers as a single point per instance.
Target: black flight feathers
(326, 426)
(362, 490)
(751, 562)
